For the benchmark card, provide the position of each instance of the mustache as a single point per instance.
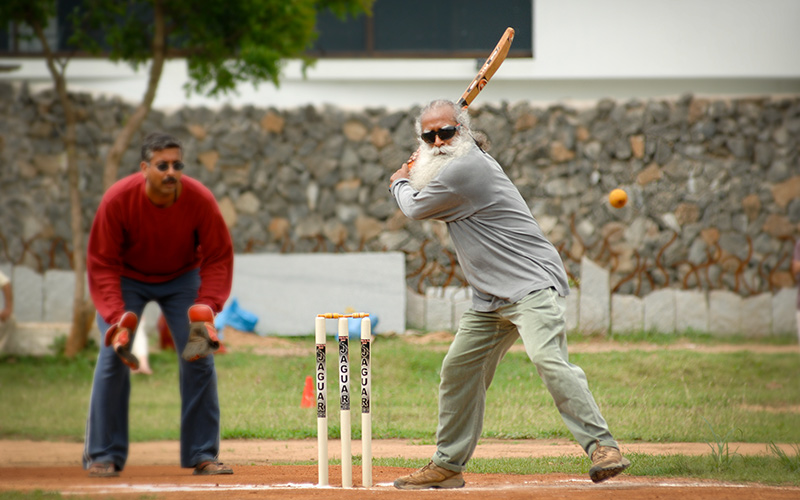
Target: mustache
(443, 150)
(169, 180)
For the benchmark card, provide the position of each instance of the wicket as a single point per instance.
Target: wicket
(344, 398)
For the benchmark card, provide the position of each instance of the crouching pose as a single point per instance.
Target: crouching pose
(157, 236)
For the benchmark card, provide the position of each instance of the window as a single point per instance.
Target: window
(418, 28)
(20, 38)
(397, 28)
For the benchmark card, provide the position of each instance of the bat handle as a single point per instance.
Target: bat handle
(412, 159)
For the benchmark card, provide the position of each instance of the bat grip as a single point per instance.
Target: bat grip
(412, 159)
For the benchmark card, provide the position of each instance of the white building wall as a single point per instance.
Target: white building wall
(583, 50)
(666, 39)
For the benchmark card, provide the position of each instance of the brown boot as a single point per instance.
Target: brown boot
(607, 462)
(211, 469)
(103, 469)
(430, 476)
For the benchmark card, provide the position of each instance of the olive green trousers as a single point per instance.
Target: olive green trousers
(483, 338)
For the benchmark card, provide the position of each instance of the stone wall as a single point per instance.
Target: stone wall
(593, 309)
(714, 185)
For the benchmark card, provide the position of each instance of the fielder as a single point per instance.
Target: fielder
(157, 236)
(518, 284)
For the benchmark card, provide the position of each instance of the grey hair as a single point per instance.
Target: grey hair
(460, 114)
(158, 141)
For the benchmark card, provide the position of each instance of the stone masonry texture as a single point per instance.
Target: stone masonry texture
(713, 184)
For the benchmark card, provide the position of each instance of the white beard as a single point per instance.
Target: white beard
(431, 160)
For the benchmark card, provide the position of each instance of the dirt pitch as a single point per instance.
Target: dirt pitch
(296, 483)
(152, 473)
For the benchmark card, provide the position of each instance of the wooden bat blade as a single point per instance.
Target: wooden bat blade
(488, 69)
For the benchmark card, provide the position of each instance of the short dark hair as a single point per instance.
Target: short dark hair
(158, 141)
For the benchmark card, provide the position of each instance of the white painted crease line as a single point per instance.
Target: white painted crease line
(563, 483)
(623, 483)
(172, 488)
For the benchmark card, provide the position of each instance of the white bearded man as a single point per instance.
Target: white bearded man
(430, 158)
(518, 286)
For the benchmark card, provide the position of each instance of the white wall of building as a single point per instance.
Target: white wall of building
(667, 39)
(583, 50)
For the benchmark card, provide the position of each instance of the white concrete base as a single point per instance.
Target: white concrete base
(34, 339)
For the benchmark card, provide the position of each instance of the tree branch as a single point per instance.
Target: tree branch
(123, 139)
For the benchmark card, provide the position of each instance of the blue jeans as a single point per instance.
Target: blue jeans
(107, 424)
(483, 338)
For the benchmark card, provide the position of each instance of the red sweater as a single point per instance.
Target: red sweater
(131, 237)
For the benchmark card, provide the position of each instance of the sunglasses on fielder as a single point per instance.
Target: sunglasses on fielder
(444, 133)
(163, 166)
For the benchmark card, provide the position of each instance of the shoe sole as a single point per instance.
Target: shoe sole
(212, 473)
(601, 475)
(113, 473)
(104, 474)
(443, 485)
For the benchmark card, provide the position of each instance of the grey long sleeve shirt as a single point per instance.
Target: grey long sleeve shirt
(499, 244)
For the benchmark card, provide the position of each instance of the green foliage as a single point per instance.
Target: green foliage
(720, 448)
(792, 463)
(27, 12)
(225, 42)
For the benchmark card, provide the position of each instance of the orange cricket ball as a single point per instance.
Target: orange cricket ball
(618, 198)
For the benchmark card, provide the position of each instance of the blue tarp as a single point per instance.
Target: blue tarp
(354, 325)
(236, 317)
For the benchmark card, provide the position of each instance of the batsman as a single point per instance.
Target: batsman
(518, 287)
(158, 235)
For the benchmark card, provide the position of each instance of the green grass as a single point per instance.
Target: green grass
(699, 338)
(34, 495)
(756, 469)
(649, 396)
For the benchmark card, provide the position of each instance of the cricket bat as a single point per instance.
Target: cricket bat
(488, 69)
(486, 72)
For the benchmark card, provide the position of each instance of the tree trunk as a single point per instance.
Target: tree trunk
(79, 331)
(83, 310)
(123, 139)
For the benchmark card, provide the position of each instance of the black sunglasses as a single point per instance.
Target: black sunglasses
(444, 134)
(164, 166)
